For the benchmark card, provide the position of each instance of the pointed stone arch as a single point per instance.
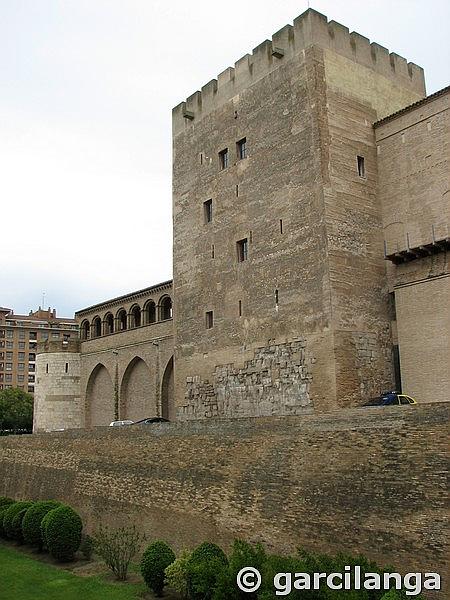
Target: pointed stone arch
(168, 407)
(99, 397)
(137, 397)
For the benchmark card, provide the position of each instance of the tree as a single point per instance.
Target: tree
(16, 411)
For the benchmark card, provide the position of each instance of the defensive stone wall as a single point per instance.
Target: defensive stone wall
(358, 480)
(309, 28)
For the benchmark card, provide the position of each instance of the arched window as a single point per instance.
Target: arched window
(150, 312)
(122, 319)
(166, 308)
(84, 330)
(135, 313)
(109, 324)
(96, 327)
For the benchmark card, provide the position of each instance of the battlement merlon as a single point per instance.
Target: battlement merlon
(310, 28)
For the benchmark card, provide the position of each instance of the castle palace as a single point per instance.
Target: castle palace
(310, 262)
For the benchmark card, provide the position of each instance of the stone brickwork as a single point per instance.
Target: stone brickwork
(370, 481)
(413, 155)
(57, 400)
(314, 264)
(279, 370)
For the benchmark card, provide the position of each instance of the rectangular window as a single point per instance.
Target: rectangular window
(44, 335)
(31, 389)
(8, 366)
(21, 356)
(237, 190)
(33, 335)
(240, 308)
(224, 159)
(55, 335)
(242, 250)
(207, 211)
(241, 148)
(361, 166)
(10, 333)
(281, 225)
(9, 355)
(213, 251)
(21, 345)
(10, 344)
(20, 378)
(8, 377)
(32, 356)
(30, 378)
(21, 366)
(209, 319)
(67, 367)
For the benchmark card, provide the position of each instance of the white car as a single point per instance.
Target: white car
(120, 423)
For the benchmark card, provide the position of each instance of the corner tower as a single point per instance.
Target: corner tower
(57, 397)
(279, 278)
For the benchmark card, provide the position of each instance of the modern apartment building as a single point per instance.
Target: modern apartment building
(19, 336)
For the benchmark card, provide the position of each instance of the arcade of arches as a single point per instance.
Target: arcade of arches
(139, 396)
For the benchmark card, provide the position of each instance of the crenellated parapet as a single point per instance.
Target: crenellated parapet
(310, 28)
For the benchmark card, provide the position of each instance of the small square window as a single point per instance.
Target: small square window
(242, 250)
(241, 148)
(224, 159)
(207, 211)
(361, 166)
(209, 319)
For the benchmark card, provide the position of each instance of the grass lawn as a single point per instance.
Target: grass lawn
(23, 578)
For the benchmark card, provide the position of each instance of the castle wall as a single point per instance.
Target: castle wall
(282, 288)
(305, 103)
(356, 480)
(413, 155)
(134, 362)
(57, 400)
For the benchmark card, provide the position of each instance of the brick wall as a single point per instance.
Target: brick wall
(357, 480)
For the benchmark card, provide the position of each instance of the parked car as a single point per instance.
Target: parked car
(391, 399)
(150, 420)
(120, 423)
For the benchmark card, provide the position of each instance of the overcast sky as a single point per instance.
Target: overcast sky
(86, 92)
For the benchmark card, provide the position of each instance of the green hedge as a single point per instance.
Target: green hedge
(3, 508)
(61, 532)
(206, 566)
(31, 523)
(12, 519)
(157, 557)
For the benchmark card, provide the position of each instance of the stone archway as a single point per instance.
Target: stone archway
(137, 394)
(167, 393)
(99, 397)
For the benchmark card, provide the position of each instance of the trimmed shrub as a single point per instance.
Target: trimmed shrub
(87, 546)
(4, 500)
(13, 527)
(243, 554)
(31, 524)
(157, 557)
(62, 532)
(3, 508)
(117, 547)
(207, 565)
(176, 574)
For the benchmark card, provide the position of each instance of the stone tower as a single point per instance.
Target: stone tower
(57, 398)
(279, 275)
